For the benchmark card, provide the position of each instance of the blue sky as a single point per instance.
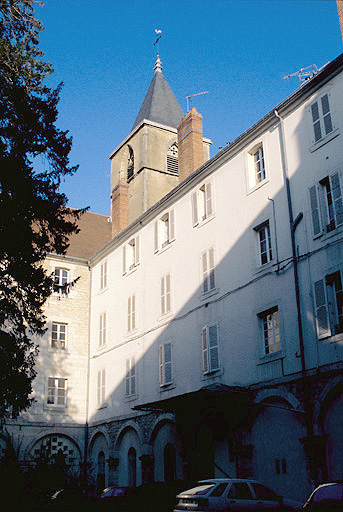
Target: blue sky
(238, 50)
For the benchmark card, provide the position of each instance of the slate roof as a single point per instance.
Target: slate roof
(160, 104)
(95, 232)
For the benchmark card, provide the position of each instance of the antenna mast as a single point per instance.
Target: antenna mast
(304, 73)
(197, 94)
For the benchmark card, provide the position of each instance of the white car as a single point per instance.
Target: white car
(231, 494)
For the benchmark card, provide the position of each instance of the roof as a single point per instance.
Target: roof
(95, 232)
(160, 104)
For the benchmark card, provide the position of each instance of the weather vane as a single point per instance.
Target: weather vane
(158, 65)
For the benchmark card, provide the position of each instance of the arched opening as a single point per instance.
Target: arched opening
(101, 471)
(169, 462)
(132, 467)
(130, 164)
(172, 159)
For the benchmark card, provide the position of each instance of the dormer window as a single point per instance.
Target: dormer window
(130, 164)
(172, 159)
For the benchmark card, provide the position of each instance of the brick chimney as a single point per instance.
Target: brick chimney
(340, 14)
(190, 144)
(120, 207)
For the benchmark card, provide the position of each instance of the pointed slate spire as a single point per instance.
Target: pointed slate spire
(160, 104)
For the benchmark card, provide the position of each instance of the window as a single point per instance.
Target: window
(321, 118)
(130, 379)
(57, 391)
(210, 348)
(61, 276)
(260, 172)
(327, 204)
(207, 266)
(58, 335)
(101, 387)
(102, 330)
(131, 255)
(165, 361)
(202, 203)
(131, 313)
(264, 243)
(130, 164)
(165, 295)
(164, 230)
(172, 159)
(270, 331)
(328, 297)
(103, 275)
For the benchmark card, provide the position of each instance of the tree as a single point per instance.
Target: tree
(34, 217)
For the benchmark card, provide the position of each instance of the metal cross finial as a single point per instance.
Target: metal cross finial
(158, 64)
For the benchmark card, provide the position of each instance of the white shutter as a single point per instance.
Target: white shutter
(133, 312)
(204, 350)
(124, 259)
(167, 366)
(315, 211)
(156, 236)
(211, 268)
(127, 378)
(316, 121)
(213, 347)
(208, 199)
(163, 303)
(194, 199)
(161, 364)
(171, 225)
(137, 250)
(204, 272)
(322, 318)
(337, 198)
(104, 329)
(167, 292)
(129, 323)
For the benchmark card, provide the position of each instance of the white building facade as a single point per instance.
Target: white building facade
(211, 332)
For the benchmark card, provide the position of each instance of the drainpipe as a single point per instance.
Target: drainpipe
(293, 225)
(85, 456)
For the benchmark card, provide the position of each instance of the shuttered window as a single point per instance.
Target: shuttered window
(165, 295)
(210, 348)
(165, 363)
(321, 118)
(101, 387)
(172, 159)
(103, 275)
(131, 255)
(102, 330)
(131, 313)
(130, 379)
(164, 230)
(202, 203)
(207, 262)
(322, 318)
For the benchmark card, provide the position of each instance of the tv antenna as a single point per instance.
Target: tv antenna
(306, 73)
(196, 94)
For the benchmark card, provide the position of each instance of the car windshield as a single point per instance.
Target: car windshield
(328, 492)
(201, 489)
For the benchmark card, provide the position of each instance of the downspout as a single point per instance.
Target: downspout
(85, 455)
(293, 225)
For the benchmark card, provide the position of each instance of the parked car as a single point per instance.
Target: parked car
(117, 497)
(219, 494)
(327, 496)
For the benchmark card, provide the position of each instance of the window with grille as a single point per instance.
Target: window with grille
(172, 159)
(57, 391)
(58, 335)
(270, 330)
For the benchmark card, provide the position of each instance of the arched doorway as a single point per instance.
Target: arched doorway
(169, 462)
(101, 476)
(132, 467)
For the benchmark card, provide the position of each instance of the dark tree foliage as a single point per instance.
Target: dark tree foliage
(34, 217)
